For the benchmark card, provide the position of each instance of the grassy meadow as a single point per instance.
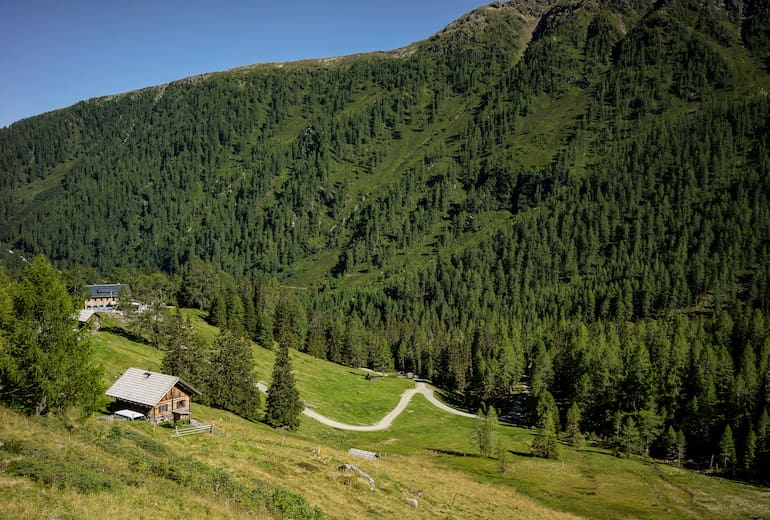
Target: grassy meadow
(71, 467)
(341, 393)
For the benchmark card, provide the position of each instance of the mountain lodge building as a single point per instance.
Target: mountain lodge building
(160, 397)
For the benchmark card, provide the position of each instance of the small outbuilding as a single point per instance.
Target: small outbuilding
(159, 397)
(89, 318)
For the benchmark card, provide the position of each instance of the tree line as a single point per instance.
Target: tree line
(445, 218)
(47, 364)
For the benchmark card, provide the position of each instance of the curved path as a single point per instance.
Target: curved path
(385, 422)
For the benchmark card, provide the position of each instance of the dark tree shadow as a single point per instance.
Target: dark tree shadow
(453, 399)
(453, 453)
(131, 336)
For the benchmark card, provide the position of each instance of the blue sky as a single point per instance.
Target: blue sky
(58, 52)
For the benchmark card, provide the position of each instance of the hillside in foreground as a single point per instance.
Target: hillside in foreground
(570, 195)
(64, 467)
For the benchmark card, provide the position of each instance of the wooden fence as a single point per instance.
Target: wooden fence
(192, 430)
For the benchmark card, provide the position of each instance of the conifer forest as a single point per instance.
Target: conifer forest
(569, 198)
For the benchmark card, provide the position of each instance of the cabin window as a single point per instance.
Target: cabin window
(181, 404)
(163, 408)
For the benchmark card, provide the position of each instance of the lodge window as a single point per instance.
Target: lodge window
(181, 404)
(163, 408)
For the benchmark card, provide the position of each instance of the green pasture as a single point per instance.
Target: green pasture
(588, 482)
(116, 353)
(340, 393)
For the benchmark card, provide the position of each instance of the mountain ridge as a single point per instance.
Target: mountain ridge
(552, 16)
(406, 50)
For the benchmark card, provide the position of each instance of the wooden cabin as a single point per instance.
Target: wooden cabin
(160, 397)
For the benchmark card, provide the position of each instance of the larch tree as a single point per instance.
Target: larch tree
(484, 431)
(727, 449)
(45, 363)
(626, 439)
(546, 443)
(572, 432)
(156, 290)
(200, 284)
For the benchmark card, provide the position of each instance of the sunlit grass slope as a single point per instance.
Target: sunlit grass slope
(588, 482)
(341, 393)
(426, 454)
(65, 468)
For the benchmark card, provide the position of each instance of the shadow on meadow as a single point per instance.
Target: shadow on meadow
(453, 399)
(454, 453)
(127, 334)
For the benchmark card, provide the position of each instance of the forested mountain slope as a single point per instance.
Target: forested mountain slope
(572, 191)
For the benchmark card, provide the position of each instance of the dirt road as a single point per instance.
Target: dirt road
(385, 422)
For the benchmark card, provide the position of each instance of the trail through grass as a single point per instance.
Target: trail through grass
(426, 454)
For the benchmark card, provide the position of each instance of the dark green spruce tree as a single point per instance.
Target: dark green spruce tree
(283, 405)
(232, 385)
(185, 355)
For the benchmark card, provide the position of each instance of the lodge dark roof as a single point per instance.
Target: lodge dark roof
(107, 290)
(145, 387)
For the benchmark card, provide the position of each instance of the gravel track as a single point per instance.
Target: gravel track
(387, 421)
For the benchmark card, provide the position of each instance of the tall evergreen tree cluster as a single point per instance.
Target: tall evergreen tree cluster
(565, 196)
(232, 384)
(222, 372)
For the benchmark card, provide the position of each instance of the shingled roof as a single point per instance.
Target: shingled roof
(145, 387)
(107, 290)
